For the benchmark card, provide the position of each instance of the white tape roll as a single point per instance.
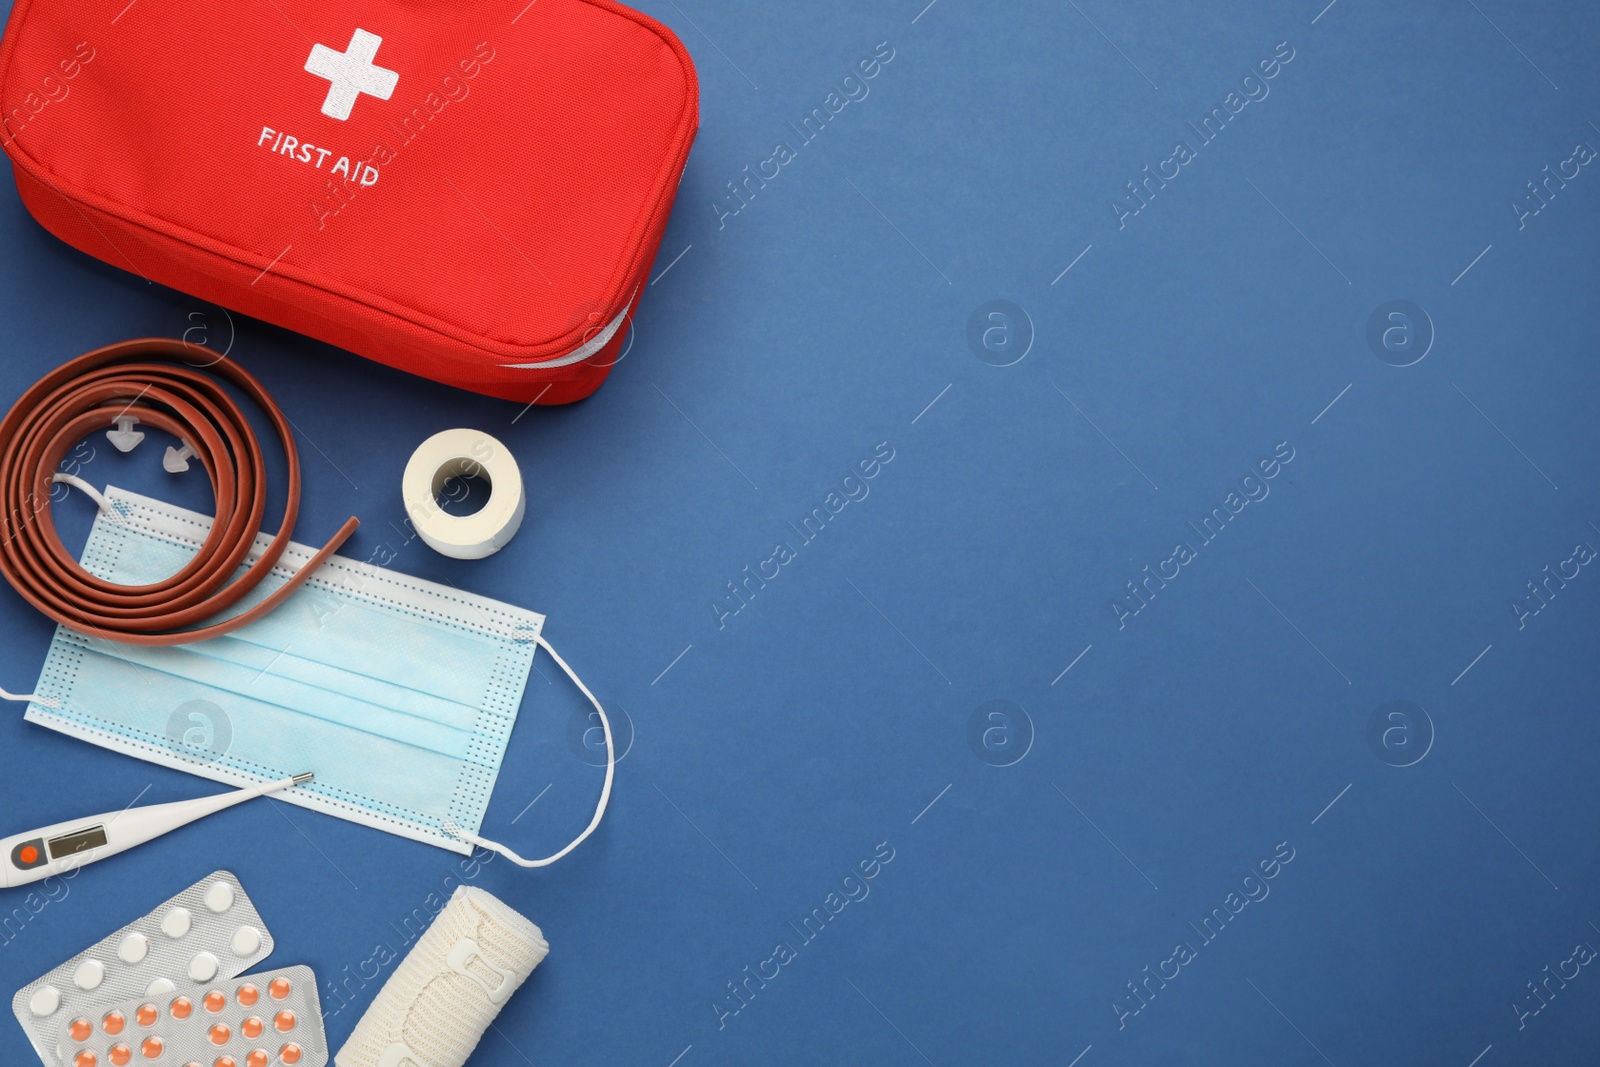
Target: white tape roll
(464, 453)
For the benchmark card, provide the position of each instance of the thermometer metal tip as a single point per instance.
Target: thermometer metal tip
(302, 779)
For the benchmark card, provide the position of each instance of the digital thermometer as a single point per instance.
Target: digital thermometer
(35, 855)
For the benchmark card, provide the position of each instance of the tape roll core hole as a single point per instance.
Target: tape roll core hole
(462, 487)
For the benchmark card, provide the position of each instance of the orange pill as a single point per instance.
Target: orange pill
(182, 1008)
(284, 1022)
(152, 1048)
(248, 995)
(226, 1061)
(279, 989)
(120, 1055)
(82, 1029)
(84, 1059)
(289, 1054)
(147, 1015)
(252, 1028)
(258, 1058)
(219, 1034)
(114, 1023)
(215, 1002)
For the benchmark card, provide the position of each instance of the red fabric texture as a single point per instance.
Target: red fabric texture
(501, 205)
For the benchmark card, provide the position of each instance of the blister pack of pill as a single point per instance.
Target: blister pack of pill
(209, 932)
(271, 1019)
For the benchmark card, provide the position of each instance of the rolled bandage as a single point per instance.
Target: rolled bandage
(441, 1000)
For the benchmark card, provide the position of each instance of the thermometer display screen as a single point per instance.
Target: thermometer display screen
(82, 841)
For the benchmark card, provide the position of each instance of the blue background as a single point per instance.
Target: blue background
(836, 711)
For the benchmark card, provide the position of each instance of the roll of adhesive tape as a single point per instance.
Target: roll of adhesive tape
(464, 454)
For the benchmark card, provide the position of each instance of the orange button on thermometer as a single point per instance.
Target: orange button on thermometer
(27, 853)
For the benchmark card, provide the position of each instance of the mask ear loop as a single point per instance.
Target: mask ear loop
(605, 793)
(109, 512)
(111, 515)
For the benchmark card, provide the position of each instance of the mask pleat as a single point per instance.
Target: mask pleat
(431, 724)
(399, 694)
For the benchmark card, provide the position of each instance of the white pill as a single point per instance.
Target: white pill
(89, 975)
(134, 948)
(246, 940)
(46, 999)
(203, 967)
(219, 898)
(177, 923)
(160, 987)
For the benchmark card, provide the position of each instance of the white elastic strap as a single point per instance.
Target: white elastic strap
(78, 483)
(29, 698)
(605, 793)
(105, 509)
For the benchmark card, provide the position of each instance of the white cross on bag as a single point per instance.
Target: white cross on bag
(352, 73)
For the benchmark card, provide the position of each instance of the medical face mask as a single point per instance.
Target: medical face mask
(397, 693)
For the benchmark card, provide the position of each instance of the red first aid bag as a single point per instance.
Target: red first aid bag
(473, 190)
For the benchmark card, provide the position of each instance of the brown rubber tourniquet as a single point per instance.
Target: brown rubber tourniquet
(151, 381)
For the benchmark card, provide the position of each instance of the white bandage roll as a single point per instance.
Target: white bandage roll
(468, 454)
(440, 1001)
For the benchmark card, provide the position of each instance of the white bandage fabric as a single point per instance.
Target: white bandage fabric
(436, 1007)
